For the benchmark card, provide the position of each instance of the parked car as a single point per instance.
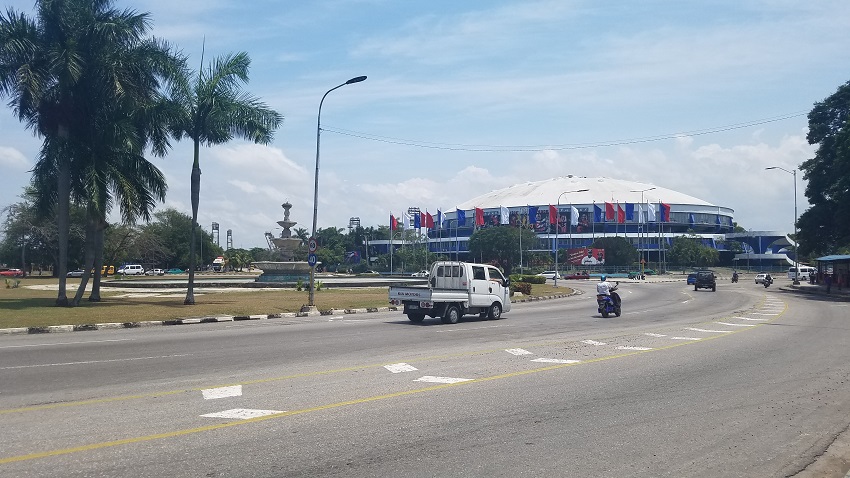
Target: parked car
(76, 273)
(419, 274)
(154, 272)
(692, 278)
(174, 270)
(550, 275)
(760, 277)
(577, 275)
(132, 270)
(12, 273)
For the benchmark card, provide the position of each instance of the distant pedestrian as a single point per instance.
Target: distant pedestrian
(828, 281)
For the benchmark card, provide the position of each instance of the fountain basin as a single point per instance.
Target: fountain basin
(291, 271)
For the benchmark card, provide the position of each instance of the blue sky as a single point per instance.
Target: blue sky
(466, 97)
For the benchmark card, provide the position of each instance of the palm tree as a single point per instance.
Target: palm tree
(62, 70)
(210, 109)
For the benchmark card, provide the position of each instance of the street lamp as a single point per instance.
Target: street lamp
(640, 221)
(357, 79)
(796, 262)
(557, 220)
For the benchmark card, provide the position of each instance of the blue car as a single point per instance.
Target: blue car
(692, 279)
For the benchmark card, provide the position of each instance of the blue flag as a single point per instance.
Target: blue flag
(630, 212)
(417, 220)
(532, 215)
(691, 219)
(439, 218)
(461, 218)
(597, 213)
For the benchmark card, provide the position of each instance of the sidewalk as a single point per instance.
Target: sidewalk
(819, 289)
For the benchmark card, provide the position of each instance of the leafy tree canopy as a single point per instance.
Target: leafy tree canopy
(500, 245)
(618, 251)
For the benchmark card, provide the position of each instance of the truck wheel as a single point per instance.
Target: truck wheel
(416, 318)
(452, 315)
(495, 311)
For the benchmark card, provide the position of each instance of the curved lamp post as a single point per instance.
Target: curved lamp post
(796, 262)
(357, 79)
(557, 220)
(641, 191)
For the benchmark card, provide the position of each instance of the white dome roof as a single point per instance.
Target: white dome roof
(599, 190)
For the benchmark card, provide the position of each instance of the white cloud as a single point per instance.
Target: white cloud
(13, 159)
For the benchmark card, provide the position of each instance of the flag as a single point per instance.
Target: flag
(429, 220)
(597, 213)
(610, 214)
(621, 215)
(393, 223)
(650, 212)
(417, 221)
(665, 212)
(573, 216)
(504, 215)
(553, 215)
(532, 215)
(439, 218)
(405, 220)
(479, 216)
(630, 212)
(691, 220)
(639, 208)
(461, 217)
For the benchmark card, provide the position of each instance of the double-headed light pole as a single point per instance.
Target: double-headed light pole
(570, 225)
(357, 79)
(796, 262)
(640, 228)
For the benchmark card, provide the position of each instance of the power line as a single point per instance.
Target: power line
(556, 147)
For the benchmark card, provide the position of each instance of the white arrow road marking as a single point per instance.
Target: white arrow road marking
(748, 318)
(593, 342)
(400, 367)
(735, 325)
(709, 331)
(429, 378)
(518, 352)
(548, 360)
(628, 347)
(685, 338)
(242, 413)
(650, 334)
(222, 392)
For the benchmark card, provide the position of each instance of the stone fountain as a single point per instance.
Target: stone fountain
(286, 270)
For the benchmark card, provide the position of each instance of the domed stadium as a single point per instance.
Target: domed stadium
(572, 212)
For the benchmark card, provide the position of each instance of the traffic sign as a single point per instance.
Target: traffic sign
(312, 244)
(311, 259)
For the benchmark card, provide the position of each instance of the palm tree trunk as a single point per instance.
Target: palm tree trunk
(88, 262)
(196, 195)
(63, 219)
(98, 260)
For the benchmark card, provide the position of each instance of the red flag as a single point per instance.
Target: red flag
(422, 221)
(665, 212)
(609, 211)
(621, 214)
(553, 214)
(429, 220)
(479, 217)
(393, 223)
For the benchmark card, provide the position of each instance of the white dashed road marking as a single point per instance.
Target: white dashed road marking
(222, 392)
(593, 342)
(429, 378)
(628, 347)
(735, 325)
(709, 331)
(548, 360)
(242, 413)
(518, 352)
(650, 334)
(759, 313)
(685, 338)
(400, 367)
(748, 318)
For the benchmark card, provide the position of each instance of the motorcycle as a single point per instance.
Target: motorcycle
(734, 277)
(609, 304)
(767, 282)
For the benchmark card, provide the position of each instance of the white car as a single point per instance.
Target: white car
(131, 270)
(550, 274)
(760, 278)
(420, 274)
(154, 272)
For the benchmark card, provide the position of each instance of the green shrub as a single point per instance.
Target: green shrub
(523, 287)
(299, 286)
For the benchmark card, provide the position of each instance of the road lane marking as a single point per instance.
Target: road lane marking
(518, 352)
(66, 343)
(630, 347)
(242, 413)
(759, 313)
(685, 338)
(550, 360)
(650, 334)
(222, 392)
(749, 318)
(593, 342)
(708, 330)
(735, 325)
(447, 380)
(87, 362)
(400, 367)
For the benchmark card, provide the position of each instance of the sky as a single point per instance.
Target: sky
(466, 97)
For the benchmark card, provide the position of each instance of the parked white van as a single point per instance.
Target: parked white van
(805, 272)
(131, 270)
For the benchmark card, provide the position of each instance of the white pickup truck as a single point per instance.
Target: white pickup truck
(455, 289)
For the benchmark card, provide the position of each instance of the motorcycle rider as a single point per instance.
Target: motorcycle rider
(768, 280)
(603, 287)
(734, 276)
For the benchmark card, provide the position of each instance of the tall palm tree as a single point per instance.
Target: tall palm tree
(211, 109)
(61, 70)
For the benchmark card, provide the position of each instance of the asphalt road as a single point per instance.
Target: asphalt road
(746, 381)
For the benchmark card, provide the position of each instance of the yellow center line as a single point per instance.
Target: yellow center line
(218, 426)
